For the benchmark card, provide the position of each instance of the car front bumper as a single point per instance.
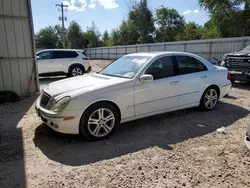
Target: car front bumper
(225, 89)
(57, 122)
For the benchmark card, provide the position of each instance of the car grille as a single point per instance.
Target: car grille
(45, 100)
(239, 62)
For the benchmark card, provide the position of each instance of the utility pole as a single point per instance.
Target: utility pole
(63, 19)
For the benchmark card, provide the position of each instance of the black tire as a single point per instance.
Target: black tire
(204, 99)
(76, 70)
(84, 126)
(232, 81)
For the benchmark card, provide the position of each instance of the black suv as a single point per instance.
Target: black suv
(238, 64)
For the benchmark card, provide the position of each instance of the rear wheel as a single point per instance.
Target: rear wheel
(76, 71)
(232, 80)
(209, 98)
(99, 121)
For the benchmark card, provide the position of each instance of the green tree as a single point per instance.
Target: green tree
(47, 38)
(115, 37)
(169, 22)
(105, 38)
(191, 31)
(230, 16)
(75, 37)
(128, 33)
(210, 30)
(142, 19)
(93, 36)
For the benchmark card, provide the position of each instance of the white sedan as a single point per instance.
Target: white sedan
(133, 87)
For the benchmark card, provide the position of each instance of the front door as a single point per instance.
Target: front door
(192, 80)
(45, 62)
(160, 94)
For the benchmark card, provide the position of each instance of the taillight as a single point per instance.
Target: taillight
(228, 75)
(85, 58)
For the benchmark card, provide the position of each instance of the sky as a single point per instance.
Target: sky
(107, 14)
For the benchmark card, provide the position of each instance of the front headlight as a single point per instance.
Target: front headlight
(61, 104)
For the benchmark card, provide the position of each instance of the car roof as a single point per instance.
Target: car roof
(157, 53)
(69, 50)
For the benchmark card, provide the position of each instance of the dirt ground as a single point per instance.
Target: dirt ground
(179, 149)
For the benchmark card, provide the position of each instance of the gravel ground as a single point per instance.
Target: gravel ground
(179, 149)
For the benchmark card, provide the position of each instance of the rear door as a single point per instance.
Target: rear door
(193, 77)
(64, 59)
(46, 58)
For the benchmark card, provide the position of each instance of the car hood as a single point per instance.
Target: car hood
(86, 83)
(239, 53)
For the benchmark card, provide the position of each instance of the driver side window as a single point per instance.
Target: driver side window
(162, 68)
(46, 55)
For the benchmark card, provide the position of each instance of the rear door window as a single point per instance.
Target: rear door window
(188, 65)
(65, 54)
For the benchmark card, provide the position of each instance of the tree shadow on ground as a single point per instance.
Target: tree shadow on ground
(12, 167)
(162, 131)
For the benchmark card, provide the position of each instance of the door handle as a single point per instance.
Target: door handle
(174, 83)
(204, 77)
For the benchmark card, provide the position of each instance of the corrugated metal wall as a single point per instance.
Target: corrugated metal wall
(17, 54)
(205, 48)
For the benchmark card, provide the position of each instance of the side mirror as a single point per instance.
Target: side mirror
(37, 57)
(146, 78)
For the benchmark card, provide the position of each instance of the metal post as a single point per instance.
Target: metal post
(102, 53)
(126, 50)
(149, 47)
(185, 47)
(116, 53)
(63, 28)
(108, 53)
(210, 50)
(165, 47)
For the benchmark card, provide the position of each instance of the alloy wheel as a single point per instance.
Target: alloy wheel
(101, 122)
(77, 71)
(211, 98)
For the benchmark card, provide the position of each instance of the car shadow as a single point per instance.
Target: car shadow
(160, 131)
(12, 165)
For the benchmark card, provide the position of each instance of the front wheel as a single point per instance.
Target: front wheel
(76, 71)
(99, 121)
(209, 98)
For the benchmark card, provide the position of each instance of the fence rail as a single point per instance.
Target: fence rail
(205, 48)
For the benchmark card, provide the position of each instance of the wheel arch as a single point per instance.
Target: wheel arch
(216, 87)
(76, 64)
(104, 101)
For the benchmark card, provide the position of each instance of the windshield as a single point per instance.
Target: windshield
(246, 49)
(125, 67)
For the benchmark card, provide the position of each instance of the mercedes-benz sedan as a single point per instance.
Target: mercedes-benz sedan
(132, 87)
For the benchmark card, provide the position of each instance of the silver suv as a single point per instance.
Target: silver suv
(54, 62)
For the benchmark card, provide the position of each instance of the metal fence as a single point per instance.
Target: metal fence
(205, 48)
